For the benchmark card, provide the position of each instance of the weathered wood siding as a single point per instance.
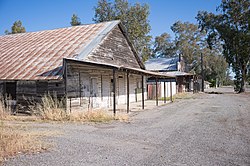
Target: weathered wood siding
(32, 91)
(93, 88)
(57, 87)
(26, 92)
(114, 49)
(152, 89)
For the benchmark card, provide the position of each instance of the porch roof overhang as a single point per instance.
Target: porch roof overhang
(120, 68)
(177, 73)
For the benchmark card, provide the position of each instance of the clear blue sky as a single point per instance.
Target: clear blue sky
(50, 14)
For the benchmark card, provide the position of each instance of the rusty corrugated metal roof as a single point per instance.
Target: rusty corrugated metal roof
(39, 55)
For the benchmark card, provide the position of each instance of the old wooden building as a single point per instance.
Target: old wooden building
(91, 66)
(169, 66)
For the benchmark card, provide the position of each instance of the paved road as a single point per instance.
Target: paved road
(209, 129)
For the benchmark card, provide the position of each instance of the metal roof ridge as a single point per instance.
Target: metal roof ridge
(67, 27)
(160, 58)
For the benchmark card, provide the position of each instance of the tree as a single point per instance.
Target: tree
(17, 27)
(163, 46)
(215, 67)
(231, 28)
(6, 32)
(104, 11)
(189, 43)
(75, 20)
(133, 17)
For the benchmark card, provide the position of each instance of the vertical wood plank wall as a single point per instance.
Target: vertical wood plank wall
(101, 97)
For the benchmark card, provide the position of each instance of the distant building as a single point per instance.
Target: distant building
(170, 66)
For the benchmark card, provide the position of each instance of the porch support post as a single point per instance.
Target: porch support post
(164, 91)
(80, 91)
(156, 90)
(171, 93)
(193, 84)
(142, 84)
(114, 95)
(65, 83)
(127, 91)
(101, 88)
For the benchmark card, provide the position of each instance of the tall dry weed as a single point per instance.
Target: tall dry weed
(51, 108)
(91, 116)
(4, 110)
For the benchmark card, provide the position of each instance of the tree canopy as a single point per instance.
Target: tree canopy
(231, 28)
(75, 20)
(133, 17)
(190, 43)
(17, 27)
(163, 46)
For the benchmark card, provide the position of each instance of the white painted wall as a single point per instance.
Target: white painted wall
(168, 89)
(102, 96)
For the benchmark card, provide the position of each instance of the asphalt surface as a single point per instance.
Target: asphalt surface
(206, 129)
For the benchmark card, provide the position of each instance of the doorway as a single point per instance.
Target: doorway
(10, 90)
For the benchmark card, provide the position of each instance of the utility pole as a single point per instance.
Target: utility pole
(202, 74)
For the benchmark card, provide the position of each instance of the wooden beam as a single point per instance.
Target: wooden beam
(65, 82)
(202, 74)
(70, 105)
(164, 91)
(80, 91)
(142, 84)
(114, 94)
(193, 84)
(101, 88)
(156, 91)
(127, 91)
(171, 94)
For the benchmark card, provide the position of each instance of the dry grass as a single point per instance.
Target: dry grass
(167, 98)
(16, 139)
(97, 116)
(4, 111)
(122, 117)
(51, 109)
(54, 114)
(183, 96)
(91, 116)
(12, 141)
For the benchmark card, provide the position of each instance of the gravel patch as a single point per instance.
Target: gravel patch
(207, 129)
